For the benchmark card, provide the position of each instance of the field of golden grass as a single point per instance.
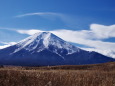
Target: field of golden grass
(82, 75)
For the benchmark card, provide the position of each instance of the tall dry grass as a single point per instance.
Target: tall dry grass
(20, 76)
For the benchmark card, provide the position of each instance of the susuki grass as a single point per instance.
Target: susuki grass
(95, 75)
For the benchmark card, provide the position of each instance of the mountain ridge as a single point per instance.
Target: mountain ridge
(47, 49)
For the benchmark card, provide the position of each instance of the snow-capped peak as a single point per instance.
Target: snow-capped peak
(46, 40)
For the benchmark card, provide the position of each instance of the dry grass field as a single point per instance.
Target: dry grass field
(82, 75)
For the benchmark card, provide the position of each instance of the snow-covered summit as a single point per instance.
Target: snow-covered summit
(44, 49)
(46, 40)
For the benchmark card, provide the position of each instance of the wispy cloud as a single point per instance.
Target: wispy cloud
(72, 21)
(6, 44)
(107, 52)
(91, 38)
(40, 14)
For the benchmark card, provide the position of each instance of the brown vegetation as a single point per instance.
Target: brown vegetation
(83, 75)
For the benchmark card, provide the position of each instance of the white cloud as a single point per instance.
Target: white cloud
(102, 31)
(86, 37)
(109, 52)
(6, 44)
(10, 43)
(29, 32)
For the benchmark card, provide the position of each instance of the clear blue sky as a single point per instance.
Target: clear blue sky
(76, 15)
(84, 12)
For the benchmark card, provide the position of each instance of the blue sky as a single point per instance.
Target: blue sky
(91, 22)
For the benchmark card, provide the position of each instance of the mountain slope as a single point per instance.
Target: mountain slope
(47, 49)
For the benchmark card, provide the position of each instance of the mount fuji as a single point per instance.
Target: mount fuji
(44, 49)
